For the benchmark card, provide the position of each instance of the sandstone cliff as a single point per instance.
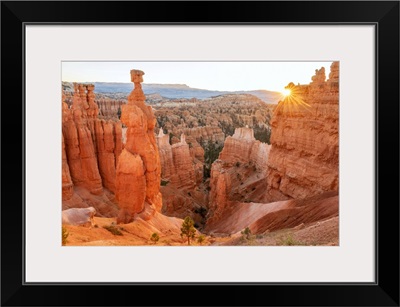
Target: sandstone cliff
(304, 159)
(90, 150)
(238, 176)
(109, 108)
(205, 134)
(177, 162)
(79, 143)
(182, 177)
(301, 163)
(139, 170)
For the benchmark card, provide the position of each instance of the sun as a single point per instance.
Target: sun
(286, 92)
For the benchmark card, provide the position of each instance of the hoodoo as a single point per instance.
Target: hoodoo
(139, 169)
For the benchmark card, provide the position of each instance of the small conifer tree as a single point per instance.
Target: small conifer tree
(187, 229)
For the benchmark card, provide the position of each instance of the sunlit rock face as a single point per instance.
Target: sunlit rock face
(78, 132)
(182, 177)
(238, 176)
(177, 162)
(301, 163)
(139, 169)
(91, 147)
(304, 158)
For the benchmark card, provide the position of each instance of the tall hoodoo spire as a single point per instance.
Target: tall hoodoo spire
(139, 168)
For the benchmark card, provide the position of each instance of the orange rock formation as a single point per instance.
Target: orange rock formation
(205, 134)
(302, 163)
(177, 162)
(139, 170)
(79, 143)
(109, 107)
(182, 173)
(239, 175)
(90, 150)
(305, 142)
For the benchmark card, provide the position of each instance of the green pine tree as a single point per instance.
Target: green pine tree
(187, 229)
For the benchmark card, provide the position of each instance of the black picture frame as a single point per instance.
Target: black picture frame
(383, 14)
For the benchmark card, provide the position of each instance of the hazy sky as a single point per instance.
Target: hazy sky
(222, 76)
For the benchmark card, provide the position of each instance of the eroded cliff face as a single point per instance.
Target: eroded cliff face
(205, 134)
(182, 177)
(138, 172)
(67, 186)
(238, 176)
(90, 151)
(177, 162)
(301, 163)
(304, 158)
(109, 108)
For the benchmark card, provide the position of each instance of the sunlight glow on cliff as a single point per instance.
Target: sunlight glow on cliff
(292, 101)
(286, 92)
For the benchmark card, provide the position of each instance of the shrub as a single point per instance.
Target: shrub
(65, 235)
(246, 233)
(164, 182)
(289, 241)
(154, 238)
(200, 239)
(114, 230)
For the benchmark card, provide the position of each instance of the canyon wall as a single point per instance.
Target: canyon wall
(177, 162)
(110, 108)
(138, 173)
(205, 134)
(182, 177)
(238, 176)
(90, 152)
(251, 179)
(304, 158)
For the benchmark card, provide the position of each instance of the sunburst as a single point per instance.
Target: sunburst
(292, 101)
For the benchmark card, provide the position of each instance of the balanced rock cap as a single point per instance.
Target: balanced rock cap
(136, 75)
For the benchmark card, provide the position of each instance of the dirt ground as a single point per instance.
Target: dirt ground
(321, 233)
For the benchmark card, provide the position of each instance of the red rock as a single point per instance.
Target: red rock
(140, 145)
(166, 157)
(238, 175)
(184, 170)
(177, 162)
(302, 161)
(205, 134)
(130, 185)
(261, 217)
(67, 186)
(108, 108)
(79, 145)
(304, 158)
(108, 148)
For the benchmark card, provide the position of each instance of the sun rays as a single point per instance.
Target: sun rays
(286, 92)
(292, 101)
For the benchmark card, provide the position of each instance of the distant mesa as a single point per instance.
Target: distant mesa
(176, 91)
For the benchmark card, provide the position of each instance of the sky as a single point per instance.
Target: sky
(221, 76)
